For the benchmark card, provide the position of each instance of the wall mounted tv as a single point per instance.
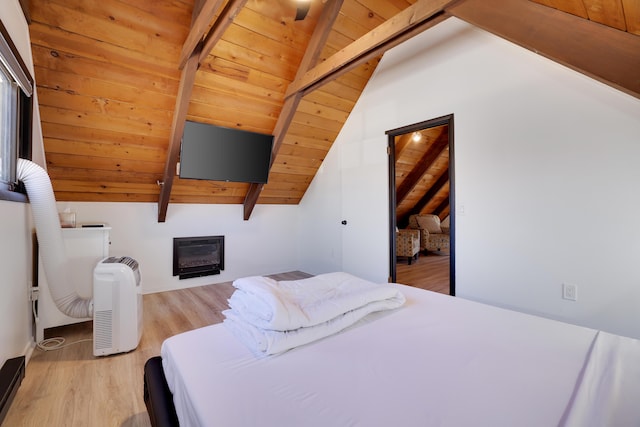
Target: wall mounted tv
(223, 154)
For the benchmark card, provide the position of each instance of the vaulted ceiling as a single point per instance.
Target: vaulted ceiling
(117, 79)
(422, 173)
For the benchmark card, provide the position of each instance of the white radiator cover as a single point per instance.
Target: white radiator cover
(117, 306)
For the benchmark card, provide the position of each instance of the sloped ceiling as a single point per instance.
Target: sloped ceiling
(116, 79)
(422, 173)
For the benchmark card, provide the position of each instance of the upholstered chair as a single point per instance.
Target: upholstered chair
(445, 225)
(432, 236)
(408, 244)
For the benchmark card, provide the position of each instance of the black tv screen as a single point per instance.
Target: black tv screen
(223, 154)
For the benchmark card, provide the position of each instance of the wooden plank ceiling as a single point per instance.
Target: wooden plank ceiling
(115, 81)
(422, 173)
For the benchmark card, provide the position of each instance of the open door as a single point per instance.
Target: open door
(421, 181)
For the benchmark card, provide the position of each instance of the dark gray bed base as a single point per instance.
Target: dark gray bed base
(157, 396)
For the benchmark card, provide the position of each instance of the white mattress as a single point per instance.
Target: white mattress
(438, 361)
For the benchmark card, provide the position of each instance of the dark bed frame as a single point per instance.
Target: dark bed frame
(157, 396)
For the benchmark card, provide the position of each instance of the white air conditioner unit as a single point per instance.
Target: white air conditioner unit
(117, 306)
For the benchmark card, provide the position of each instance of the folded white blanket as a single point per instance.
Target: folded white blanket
(263, 342)
(286, 305)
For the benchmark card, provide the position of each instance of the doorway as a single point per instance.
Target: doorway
(421, 181)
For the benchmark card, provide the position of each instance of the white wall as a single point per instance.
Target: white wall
(545, 171)
(348, 187)
(320, 231)
(15, 265)
(15, 224)
(266, 244)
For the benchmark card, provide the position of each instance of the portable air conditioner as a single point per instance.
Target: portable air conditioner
(117, 306)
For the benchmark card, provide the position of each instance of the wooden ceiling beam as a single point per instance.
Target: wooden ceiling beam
(382, 38)
(187, 80)
(401, 143)
(422, 166)
(24, 4)
(199, 28)
(424, 200)
(377, 52)
(318, 39)
(608, 55)
(406, 24)
(441, 208)
(222, 23)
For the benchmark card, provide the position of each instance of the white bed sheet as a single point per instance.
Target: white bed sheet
(608, 393)
(437, 361)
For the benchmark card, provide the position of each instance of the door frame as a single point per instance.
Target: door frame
(439, 121)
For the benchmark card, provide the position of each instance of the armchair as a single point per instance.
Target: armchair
(432, 236)
(408, 244)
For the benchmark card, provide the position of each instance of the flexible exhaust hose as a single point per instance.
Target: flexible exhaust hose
(51, 246)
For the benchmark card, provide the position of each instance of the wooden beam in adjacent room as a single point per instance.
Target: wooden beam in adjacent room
(389, 34)
(603, 53)
(401, 143)
(422, 165)
(441, 207)
(198, 29)
(424, 200)
(318, 39)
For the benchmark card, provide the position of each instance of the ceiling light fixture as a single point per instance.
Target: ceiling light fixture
(416, 137)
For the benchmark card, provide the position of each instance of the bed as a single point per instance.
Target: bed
(436, 361)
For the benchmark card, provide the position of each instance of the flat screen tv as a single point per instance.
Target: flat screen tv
(223, 154)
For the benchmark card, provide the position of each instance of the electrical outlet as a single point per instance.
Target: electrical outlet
(33, 293)
(570, 291)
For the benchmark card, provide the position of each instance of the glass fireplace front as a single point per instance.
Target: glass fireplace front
(198, 256)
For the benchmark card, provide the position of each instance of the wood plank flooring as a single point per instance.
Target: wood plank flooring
(70, 387)
(429, 271)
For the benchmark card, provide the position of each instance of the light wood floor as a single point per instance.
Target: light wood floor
(429, 271)
(71, 387)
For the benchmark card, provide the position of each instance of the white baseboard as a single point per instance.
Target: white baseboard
(28, 351)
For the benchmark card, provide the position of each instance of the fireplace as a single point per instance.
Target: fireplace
(198, 256)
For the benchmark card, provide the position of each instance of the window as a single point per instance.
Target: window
(16, 88)
(8, 126)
